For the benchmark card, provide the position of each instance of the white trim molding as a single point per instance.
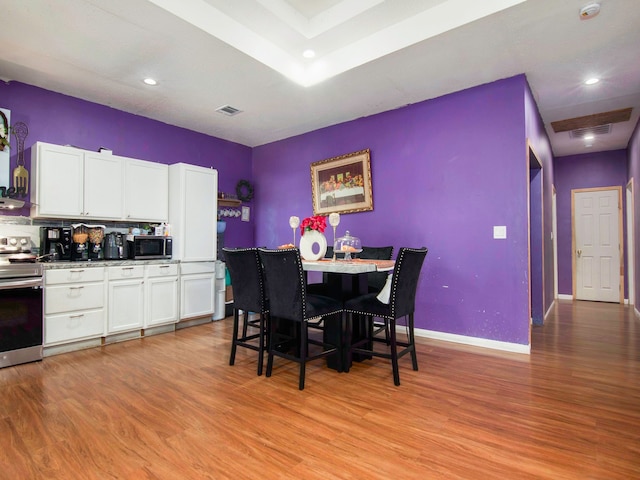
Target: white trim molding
(564, 296)
(474, 341)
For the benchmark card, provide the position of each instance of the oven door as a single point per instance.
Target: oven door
(21, 325)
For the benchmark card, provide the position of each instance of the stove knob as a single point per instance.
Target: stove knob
(23, 241)
(13, 241)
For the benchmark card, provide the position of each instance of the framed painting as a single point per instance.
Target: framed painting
(342, 184)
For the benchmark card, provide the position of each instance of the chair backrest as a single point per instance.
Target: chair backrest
(404, 282)
(286, 284)
(247, 279)
(376, 280)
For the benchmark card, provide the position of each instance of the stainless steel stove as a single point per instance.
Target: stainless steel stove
(21, 309)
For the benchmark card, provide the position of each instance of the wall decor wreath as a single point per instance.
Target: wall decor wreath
(244, 190)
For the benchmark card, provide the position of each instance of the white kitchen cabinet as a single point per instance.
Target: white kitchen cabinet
(103, 198)
(74, 301)
(68, 182)
(125, 311)
(146, 191)
(193, 194)
(161, 295)
(197, 281)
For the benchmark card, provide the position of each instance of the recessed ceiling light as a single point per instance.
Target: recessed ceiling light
(308, 53)
(150, 81)
(591, 81)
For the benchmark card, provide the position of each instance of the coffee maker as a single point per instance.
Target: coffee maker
(55, 243)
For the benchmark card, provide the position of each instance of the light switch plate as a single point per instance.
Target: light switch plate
(500, 231)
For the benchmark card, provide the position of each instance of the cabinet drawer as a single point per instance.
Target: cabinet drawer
(72, 275)
(170, 270)
(126, 272)
(70, 298)
(189, 268)
(73, 326)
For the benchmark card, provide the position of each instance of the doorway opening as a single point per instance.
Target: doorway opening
(536, 244)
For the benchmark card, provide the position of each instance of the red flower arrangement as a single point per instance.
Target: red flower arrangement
(317, 222)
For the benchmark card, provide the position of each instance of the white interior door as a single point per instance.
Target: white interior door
(597, 244)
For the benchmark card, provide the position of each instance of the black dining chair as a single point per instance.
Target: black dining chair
(249, 295)
(376, 280)
(402, 297)
(289, 301)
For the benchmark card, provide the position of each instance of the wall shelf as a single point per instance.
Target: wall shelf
(229, 202)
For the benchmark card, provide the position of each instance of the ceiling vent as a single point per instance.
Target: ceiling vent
(228, 110)
(582, 132)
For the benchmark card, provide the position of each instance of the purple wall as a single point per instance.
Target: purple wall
(634, 173)
(63, 120)
(590, 170)
(444, 172)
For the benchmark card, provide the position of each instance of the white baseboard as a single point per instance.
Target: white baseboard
(562, 296)
(549, 309)
(474, 341)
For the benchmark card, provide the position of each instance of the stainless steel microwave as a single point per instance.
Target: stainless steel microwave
(149, 247)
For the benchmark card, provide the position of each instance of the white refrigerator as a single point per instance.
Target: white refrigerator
(193, 205)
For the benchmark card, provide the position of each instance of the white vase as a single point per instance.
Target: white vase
(308, 243)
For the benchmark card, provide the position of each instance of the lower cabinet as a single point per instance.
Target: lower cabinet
(161, 295)
(74, 304)
(126, 298)
(84, 304)
(197, 282)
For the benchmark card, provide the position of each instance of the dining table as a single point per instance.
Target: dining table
(346, 279)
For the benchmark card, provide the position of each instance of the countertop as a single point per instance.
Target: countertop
(105, 263)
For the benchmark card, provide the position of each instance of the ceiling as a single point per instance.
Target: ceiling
(371, 56)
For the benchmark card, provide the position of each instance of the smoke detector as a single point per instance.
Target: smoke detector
(589, 11)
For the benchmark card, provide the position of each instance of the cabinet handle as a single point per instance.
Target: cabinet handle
(164, 266)
(77, 316)
(76, 288)
(127, 268)
(77, 271)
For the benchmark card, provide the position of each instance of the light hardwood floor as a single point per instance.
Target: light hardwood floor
(170, 407)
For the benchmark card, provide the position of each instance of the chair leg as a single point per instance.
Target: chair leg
(234, 338)
(412, 342)
(303, 353)
(245, 320)
(394, 350)
(261, 344)
(272, 346)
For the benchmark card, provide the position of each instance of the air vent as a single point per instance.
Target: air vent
(582, 132)
(228, 110)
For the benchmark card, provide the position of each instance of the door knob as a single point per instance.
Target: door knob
(579, 252)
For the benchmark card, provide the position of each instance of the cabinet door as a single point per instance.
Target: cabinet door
(58, 181)
(162, 301)
(126, 305)
(196, 295)
(146, 194)
(199, 239)
(103, 190)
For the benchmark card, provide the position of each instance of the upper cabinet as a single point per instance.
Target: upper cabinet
(71, 183)
(146, 187)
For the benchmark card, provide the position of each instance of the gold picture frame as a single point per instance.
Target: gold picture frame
(342, 184)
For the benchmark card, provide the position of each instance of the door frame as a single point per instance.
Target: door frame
(573, 237)
(631, 285)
